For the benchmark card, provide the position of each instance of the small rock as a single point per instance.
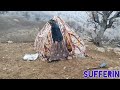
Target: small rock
(116, 68)
(67, 77)
(4, 68)
(103, 65)
(43, 59)
(109, 49)
(10, 41)
(100, 49)
(69, 58)
(88, 68)
(92, 57)
(16, 20)
(86, 45)
(117, 50)
(73, 77)
(80, 55)
(118, 53)
(64, 68)
(111, 68)
(3, 57)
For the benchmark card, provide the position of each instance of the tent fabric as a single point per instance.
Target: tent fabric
(43, 41)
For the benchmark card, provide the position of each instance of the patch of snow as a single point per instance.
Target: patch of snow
(31, 57)
(100, 49)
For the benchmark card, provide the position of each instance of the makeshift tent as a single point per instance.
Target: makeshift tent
(74, 43)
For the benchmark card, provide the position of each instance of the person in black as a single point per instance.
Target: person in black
(56, 33)
(58, 50)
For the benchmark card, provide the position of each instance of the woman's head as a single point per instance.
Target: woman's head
(51, 22)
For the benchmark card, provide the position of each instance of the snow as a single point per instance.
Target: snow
(30, 56)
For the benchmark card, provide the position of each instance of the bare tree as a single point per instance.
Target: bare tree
(26, 14)
(103, 20)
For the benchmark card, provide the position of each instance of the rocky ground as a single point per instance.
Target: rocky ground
(16, 39)
(12, 66)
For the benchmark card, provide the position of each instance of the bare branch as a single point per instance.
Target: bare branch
(110, 23)
(100, 13)
(117, 14)
(111, 20)
(110, 12)
(105, 18)
(88, 13)
(95, 17)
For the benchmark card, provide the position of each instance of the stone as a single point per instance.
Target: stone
(116, 68)
(110, 68)
(43, 59)
(109, 49)
(69, 57)
(117, 51)
(16, 20)
(86, 45)
(64, 68)
(67, 77)
(4, 68)
(100, 49)
(103, 65)
(10, 41)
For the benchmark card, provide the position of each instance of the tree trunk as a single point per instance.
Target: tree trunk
(98, 39)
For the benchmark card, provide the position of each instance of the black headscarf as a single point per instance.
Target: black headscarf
(56, 33)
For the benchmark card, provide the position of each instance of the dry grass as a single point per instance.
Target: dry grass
(18, 31)
(13, 67)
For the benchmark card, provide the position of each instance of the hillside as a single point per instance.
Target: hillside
(18, 29)
(21, 28)
(12, 66)
(34, 19)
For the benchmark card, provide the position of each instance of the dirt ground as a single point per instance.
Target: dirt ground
(12, 66)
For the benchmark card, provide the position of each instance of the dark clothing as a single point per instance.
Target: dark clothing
(58, 50)
(56, 33)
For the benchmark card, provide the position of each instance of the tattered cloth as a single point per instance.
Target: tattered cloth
(44, 41)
